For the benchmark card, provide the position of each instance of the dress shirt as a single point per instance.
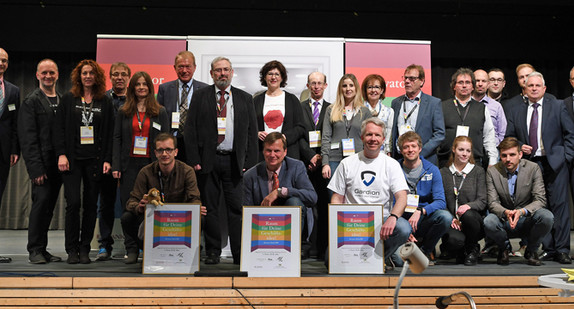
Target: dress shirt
(408, 105)
(497, 115)
(227, 144)
(180, 88)
(284, 190)
(488, 135)
(540, 151)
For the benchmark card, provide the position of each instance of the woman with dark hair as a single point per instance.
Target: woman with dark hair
(277, 110)
(465, 192)
(342, 132)
(374, 88)
(83, 143)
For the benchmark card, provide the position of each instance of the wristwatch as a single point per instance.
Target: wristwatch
(420, 209)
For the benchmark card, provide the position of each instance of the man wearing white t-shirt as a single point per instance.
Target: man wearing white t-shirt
(369, 178)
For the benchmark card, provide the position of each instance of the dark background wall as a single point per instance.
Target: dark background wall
(474, 34)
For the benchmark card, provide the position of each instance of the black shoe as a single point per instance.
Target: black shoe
(36, 258)
(85, 258)
(132, 258)
(471, 258)
(503, 257)
(562, 258)
(491, 251)
(5, 259)
(73, 257)
(547, 256)
(212, 259)
(51, 258)
(431, 258)
(532, 258)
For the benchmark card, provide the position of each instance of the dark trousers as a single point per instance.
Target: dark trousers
(556, 184)
(130, 226)
(455, 241)
(129, 176)
(321, 226)
(44, 198)
(4, 171)
(222, 180)
(108, 191)
(79, 234)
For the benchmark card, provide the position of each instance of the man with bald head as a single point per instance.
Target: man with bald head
(9, 147)
(494, 107)
(36, 118)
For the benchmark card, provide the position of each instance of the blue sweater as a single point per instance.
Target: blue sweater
(430, 188)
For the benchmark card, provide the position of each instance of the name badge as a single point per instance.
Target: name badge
(314, 139)
(140, 145)
(404, 129)
(462, 130)
(157, 126)
(11, 107)
(175, 120)
(334, 146)
(348, 147)
(86, 135)
(221, 125)
(412, 203)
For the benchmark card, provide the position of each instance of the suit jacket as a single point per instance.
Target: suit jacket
(201, 130)
(9, 122)
(430, 126)
(569, 106)
(123, 134)
(35, 121)
(557, 130)
(168, 95)
(292, 176)
(529, 193)
(306, 152)
(293, 127)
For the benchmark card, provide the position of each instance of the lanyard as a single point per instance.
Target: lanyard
(140, 122)
(458, 110)
(87, 117)
(417, 182)
(457, 190)
(405, 110)
(348, 122)
(161, 186)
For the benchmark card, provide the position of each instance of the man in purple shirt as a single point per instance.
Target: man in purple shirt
(494, 107)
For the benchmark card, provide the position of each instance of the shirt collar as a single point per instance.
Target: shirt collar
(530, 103)
(466, 170)
(270, 173)
(515, 171)
(189, 84)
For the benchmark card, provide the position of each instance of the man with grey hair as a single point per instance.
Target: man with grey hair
(221, 142)
(546, 133)
(368, 177)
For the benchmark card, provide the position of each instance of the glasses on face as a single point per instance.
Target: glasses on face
(374, 87)
(464, 82)
(273, 74)
(160, 151)
(122, 74)
(496, 80)
(410, 78)
(219, 70)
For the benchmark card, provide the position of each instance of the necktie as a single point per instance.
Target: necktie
(221, 112)
(275, 182)
(183, 106)
(1, 99)
(533, 130)
(316, 112)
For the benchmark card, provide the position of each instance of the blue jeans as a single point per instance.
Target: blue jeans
(295, 201)
(431, 228)
(533, 227)
(399, 236)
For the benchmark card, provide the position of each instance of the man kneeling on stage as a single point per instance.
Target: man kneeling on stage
(174, 179)
(517, 201)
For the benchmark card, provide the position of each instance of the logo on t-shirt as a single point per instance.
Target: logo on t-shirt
(370, 180)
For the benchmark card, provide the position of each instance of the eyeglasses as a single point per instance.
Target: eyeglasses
(410, 78)
(117, 74)
(166, 150)
(374, 87)
(496, 80)
(271, 74)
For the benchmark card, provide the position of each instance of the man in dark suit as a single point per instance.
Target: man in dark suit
(517, 201)
(569, 101)
(278, 180)
(36, 118)
(176, 96)
(314, 110)
(419, 112)
(547, 134)
(9, 106)
(221, 134)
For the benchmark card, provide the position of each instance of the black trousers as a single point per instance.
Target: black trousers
(44, 198)
(221, 180)
(79, 232)
(108, 192)
(472, 231)
(130, 226)
(321, 210)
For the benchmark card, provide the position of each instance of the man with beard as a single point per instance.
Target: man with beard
(221, 141)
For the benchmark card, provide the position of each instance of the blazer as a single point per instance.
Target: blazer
(293, 127)
(430, 126)
(557, 130)
(168, 95)
(569, 106)
(530, 193)
(123, 133)
(35, 121)
(201, 131)
(306, 152)
(9, 122)
(292, 176)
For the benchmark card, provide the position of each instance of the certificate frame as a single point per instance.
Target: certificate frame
(276, 253)
(172, 238)
(355, 244)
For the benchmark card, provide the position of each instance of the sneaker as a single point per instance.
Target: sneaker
(36, 258)
(51, 258)
(104, 255)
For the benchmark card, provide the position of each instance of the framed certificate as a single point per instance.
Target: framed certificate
(355, 245)
(172, 237)
(271, 241)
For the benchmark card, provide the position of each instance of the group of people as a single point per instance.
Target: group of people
(423, 159)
